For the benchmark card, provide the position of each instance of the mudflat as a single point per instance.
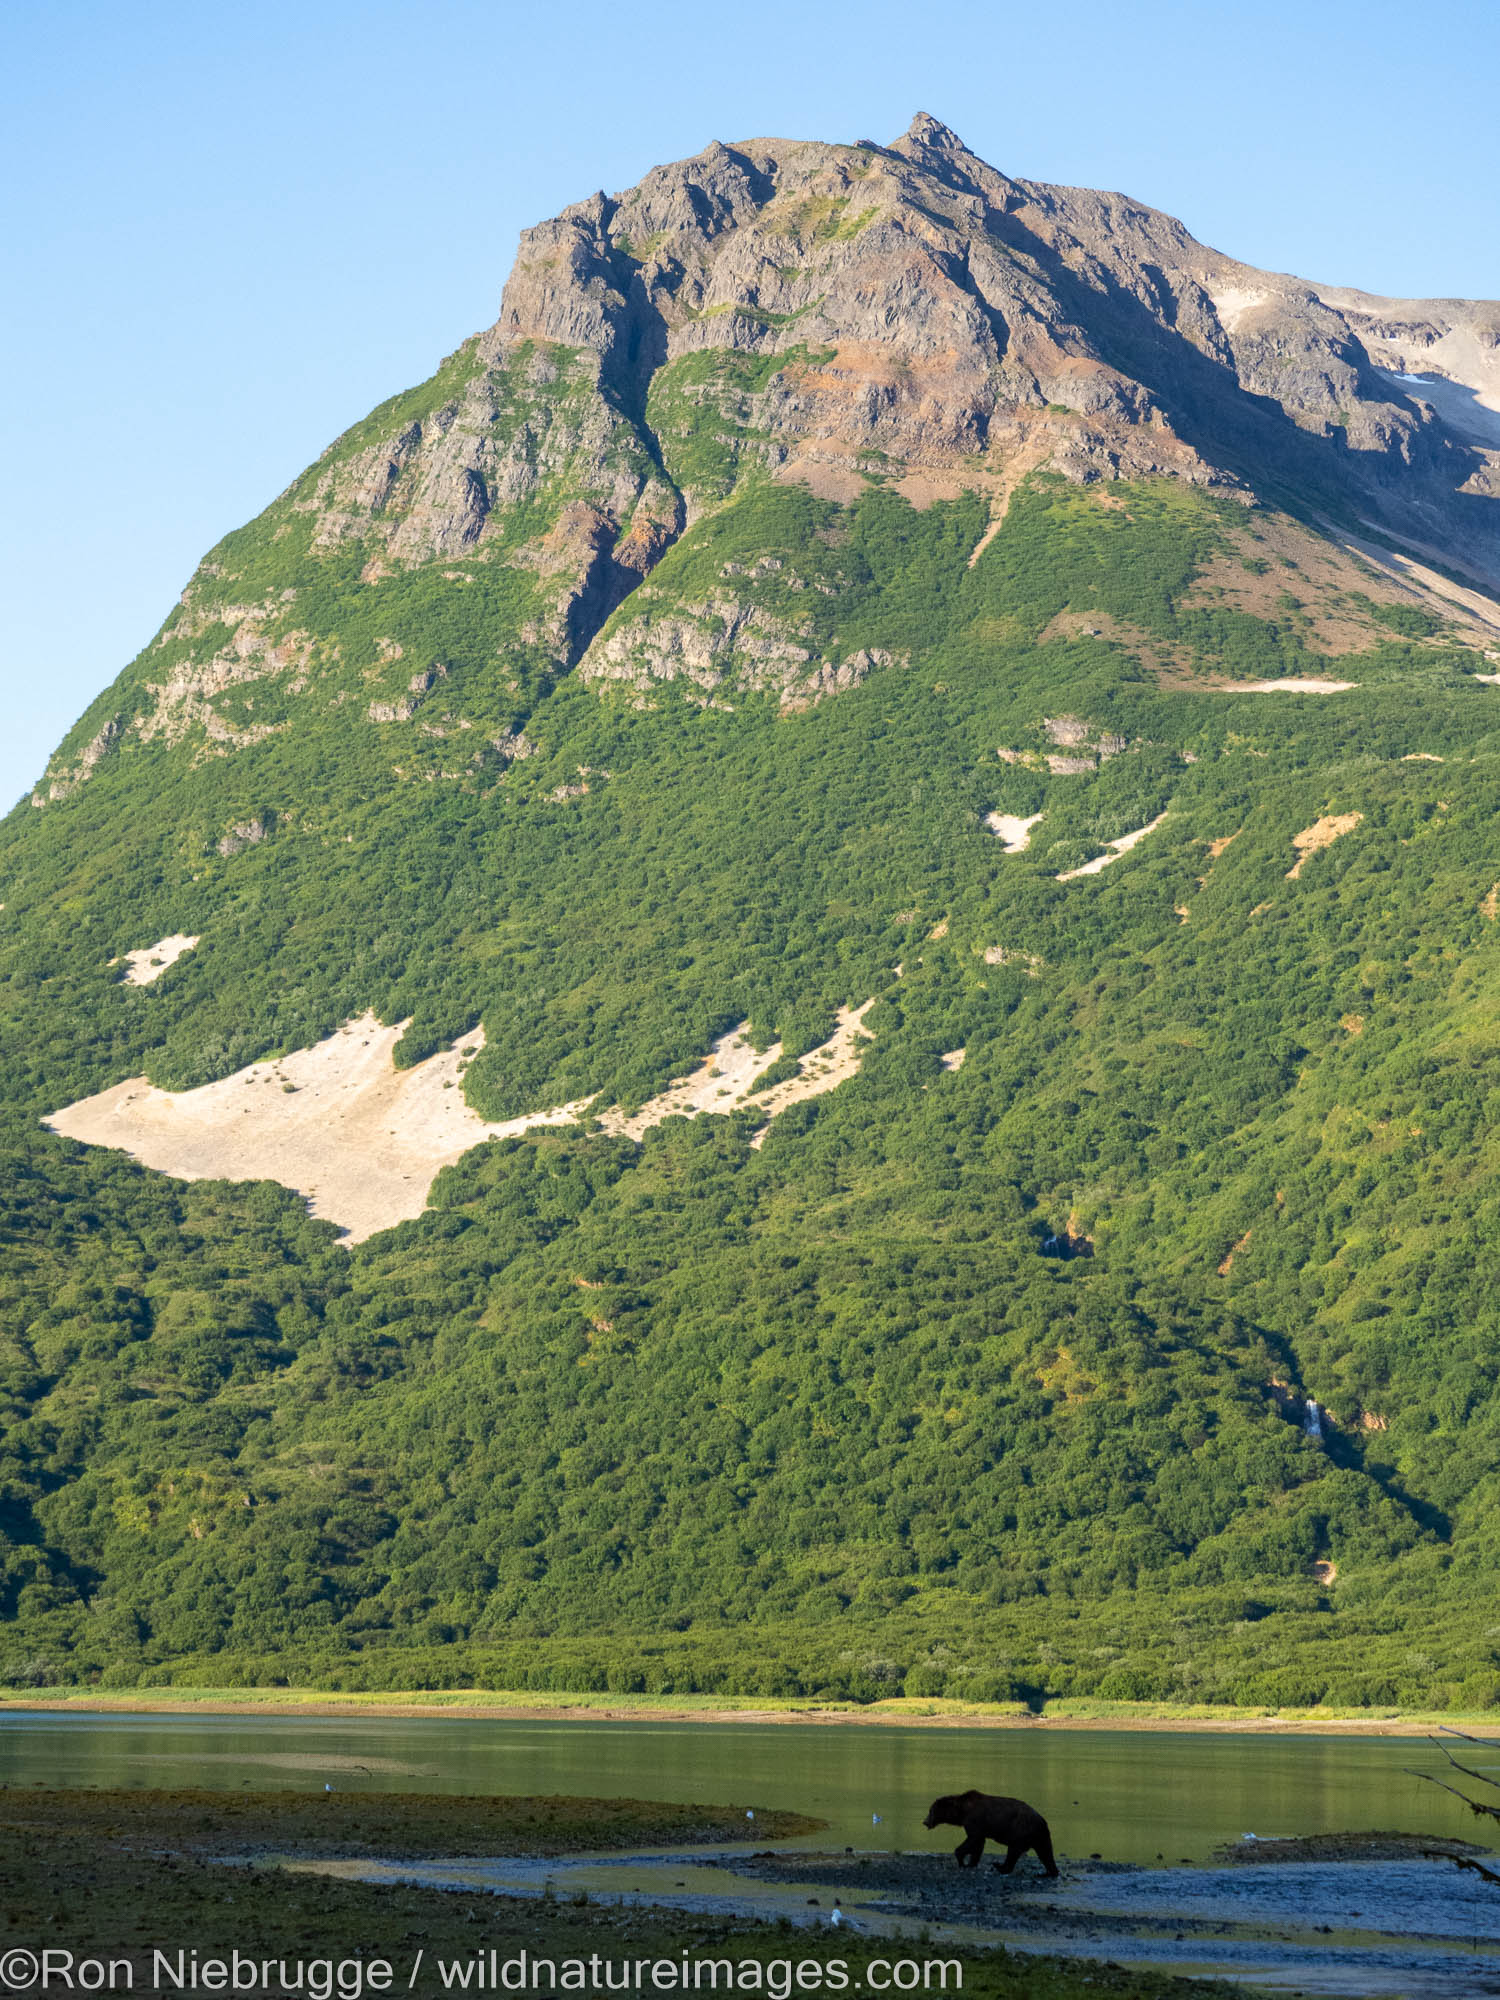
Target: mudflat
(402, 1826)
(119, 1875)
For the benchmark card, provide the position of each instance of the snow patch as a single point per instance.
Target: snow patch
(1460, 407)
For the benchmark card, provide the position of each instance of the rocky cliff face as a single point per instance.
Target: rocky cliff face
(937, 311)
(822, 315)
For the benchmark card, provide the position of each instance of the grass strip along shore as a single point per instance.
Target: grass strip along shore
(499, 1703)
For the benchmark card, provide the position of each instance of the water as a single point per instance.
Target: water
(1128, 1795)
(1410, 1930)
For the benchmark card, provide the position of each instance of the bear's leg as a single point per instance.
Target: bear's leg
(1012, 1856)
(969, 1849)
(1044, 1852)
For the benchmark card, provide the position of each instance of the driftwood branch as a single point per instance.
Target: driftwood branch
(1479, 1742)
(1468, 1771)
(1481, 1808)
(1462, 1861)
(1478, 1807)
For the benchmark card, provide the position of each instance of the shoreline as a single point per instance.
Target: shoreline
(477, 1705)
(115, 1875)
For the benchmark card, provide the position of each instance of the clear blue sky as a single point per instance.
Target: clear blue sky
(234, 227)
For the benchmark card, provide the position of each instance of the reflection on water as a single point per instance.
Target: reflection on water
(675, 1881)
(1129, 1795)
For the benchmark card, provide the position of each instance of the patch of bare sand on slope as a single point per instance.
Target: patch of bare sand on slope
(338, 1123)
(824, 1068)
(1113, 851)
(1322, 833)
(148, 964)
(362, 1142)
(1291, 684)
(725, 1079)
(721, 1081)
(1011, 830)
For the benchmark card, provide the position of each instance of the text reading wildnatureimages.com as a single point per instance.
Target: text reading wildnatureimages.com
(56, 1970)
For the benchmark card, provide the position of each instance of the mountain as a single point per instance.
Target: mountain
(791, 986)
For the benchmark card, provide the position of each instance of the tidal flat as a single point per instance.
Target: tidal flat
(117, 1875)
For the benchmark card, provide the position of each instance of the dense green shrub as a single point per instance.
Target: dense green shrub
(852, 1411)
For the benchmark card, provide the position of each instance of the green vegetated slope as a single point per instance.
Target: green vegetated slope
(842, 1412)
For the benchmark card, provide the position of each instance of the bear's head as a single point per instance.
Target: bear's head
(949, 1811)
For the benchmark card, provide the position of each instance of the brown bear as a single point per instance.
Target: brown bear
(983, 1818)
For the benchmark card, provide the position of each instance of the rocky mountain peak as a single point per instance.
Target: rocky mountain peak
(930, 135)
(828, 316)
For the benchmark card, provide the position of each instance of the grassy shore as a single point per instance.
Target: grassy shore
(115, 1875)
(936, 1713)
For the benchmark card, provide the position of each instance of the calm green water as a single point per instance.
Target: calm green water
(1128, 1795)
